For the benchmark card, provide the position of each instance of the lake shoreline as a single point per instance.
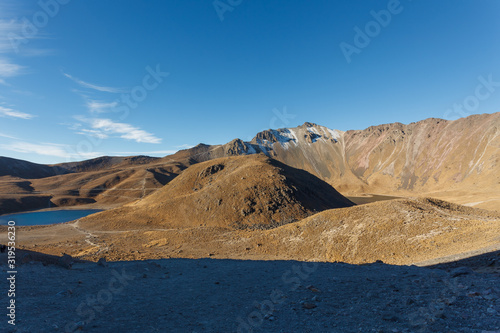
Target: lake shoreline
(78, 207)
(42, 218)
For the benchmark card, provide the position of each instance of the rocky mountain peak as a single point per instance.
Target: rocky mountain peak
(308, 124)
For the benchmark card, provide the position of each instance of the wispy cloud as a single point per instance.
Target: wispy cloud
(39, 52)
(93, 86)
(100, 107)
(8, 28)
(8, 69)
(7, 136)
(94, 133)
(26, 93)
(135, 153)
(6, 112)
(14, 39)
(15, 32)
(184, 146)
(47, 149)
(107, 127)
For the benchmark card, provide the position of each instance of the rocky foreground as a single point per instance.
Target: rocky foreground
(207, 295)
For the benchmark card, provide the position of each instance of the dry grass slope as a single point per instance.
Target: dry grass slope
(403, 231)
(241, 192)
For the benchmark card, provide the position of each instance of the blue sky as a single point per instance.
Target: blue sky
(80, 79)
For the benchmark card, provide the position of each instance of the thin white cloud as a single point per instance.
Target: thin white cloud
(6, 112)
(26, 93)
(7, 136)
(8, 69)
(126, 131)
(31, 52)
(14, 40)
(72, 126)
(135, 153)
(8, 29)
(93, 133)
(48, 149)
(123, 130)
(14, 33)
(75, 126)
(93, 86)
(184, 146)
(100, 107)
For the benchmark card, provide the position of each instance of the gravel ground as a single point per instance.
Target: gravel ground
(208, 295)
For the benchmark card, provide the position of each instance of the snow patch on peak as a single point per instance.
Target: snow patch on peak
(263, 149)
(285, 137)
(335, 134)
(326, 133)
(308, 133)
(250, 149)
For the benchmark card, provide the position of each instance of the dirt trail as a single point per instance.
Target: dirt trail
(89, 237)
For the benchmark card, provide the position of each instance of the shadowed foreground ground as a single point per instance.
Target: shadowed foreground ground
(207, 295)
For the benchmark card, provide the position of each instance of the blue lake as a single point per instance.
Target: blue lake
(48, 217)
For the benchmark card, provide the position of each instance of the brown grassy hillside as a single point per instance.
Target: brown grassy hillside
(402, 231)
(251, 191)
(105, 182)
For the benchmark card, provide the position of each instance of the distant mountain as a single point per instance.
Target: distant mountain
(104, 181)
(451, 159)
(106, 162)
(24, 169)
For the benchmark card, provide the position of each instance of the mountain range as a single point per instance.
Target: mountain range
(453, 160)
